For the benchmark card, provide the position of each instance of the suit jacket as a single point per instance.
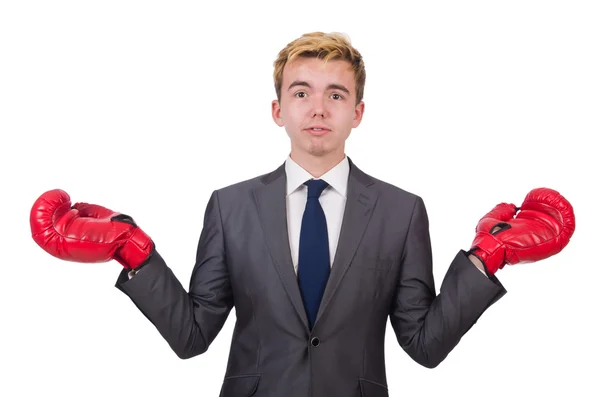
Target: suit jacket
(382, 269)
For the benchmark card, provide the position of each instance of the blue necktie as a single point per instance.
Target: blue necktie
(313, 255)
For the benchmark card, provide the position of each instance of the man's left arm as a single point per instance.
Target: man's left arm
(429, 326)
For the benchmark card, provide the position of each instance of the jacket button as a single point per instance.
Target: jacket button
(315, 342)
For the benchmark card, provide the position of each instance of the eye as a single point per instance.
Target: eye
(298, 93)
(338, 96)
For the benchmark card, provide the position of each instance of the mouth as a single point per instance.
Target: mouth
(317, 131)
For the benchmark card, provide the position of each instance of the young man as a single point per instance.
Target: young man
(314, 256)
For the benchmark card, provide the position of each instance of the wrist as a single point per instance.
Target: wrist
(478, 263)
(488, 251)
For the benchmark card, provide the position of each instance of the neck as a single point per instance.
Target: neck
(317, 165)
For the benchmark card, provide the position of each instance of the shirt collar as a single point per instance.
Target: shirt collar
(337, 177)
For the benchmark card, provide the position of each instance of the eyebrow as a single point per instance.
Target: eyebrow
(329, 87)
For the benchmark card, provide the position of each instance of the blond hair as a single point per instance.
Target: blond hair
(327, 46)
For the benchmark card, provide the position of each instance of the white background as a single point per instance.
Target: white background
(145, 107)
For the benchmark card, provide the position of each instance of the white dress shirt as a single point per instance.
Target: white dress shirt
(333, 201)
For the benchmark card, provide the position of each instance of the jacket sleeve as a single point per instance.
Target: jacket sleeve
(429, 326)
(188, 321)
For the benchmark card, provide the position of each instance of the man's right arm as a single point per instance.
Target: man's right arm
(189, 322)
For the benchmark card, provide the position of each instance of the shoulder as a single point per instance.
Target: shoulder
(398, 205)
(392, 190)
(387, 191)
(240, 191)
(392, 196)
(241, 188)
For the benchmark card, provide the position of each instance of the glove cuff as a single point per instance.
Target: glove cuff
(489, 250)
(136, 250)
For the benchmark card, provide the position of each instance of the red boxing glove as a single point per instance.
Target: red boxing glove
(542, 228)
(87, 233)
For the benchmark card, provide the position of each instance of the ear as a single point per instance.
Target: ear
(276, 113)
(359, 110)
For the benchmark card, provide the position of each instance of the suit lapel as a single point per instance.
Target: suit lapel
(271, 204)
(359, 207)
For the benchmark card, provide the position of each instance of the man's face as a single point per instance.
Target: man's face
(317, 95)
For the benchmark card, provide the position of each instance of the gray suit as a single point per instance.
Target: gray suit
(382, 267)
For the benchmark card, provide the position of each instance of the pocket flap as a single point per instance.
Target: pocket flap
(240, 386)
(369, 388)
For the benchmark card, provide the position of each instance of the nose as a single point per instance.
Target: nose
(318, 106)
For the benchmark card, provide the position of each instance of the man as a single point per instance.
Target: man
(314, 256)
